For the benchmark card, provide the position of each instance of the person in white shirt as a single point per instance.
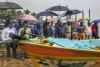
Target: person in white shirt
(88, 31)
(6, 36)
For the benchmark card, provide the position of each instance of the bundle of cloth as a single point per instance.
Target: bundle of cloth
(14, 36)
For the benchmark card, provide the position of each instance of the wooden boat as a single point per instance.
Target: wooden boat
(37, 51)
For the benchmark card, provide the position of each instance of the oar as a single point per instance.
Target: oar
(34, 35)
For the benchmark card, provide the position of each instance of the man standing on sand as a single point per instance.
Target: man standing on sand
(25, 32)
(6, 36)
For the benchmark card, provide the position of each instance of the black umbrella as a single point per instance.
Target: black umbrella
(76, 11)
(9, 5)
(47, 13)
(58, 8)
(72, 12)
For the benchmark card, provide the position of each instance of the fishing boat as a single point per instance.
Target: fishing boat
(66, 50)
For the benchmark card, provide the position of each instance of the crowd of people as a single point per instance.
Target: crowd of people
(49, 29)
(62, 30)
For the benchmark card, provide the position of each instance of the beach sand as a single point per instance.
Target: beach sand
(28, 62)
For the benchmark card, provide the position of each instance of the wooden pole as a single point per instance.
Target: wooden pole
(35, 62)
(75, 17)
(89, 13)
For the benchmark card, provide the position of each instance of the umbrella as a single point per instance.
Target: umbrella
(27, 17)
(47, 13)
(9, 5)
(96, 21)
(76, 11)
(58, 8)
(85, 21)
(82, 19)
(71, 12)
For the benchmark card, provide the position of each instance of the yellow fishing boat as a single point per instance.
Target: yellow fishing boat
(72, 50)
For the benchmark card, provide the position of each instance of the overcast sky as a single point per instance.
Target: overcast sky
(41, 5)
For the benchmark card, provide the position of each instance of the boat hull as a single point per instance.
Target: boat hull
(40, 51)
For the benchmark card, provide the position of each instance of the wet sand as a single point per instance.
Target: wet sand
(28, 62)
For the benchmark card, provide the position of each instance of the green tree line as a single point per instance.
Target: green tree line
(12, 14)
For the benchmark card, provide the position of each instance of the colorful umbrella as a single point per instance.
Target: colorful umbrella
(84, 19)
(89, 19)
(96, 21)
(27, 17)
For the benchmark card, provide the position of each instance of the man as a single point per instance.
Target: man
(94, 31)
(18, 25)
(60, 30)
(88, 31)
(47, 30)
(25, 31)
(38, 29)
(6, 23)
(68, 30)
(80, 31)
(6, 36)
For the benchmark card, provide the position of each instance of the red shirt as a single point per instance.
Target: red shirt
(94, 29)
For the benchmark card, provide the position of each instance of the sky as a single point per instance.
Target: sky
(42, 5)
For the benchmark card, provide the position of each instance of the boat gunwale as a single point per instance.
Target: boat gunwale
(61, 48)
(86, 40)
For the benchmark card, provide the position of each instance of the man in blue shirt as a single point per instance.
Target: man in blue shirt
(18, 25)
(38, 29)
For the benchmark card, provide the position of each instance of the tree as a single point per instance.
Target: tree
(27, 11)
(19, 13)
(33, 14)
(12, 14)
(38, 17)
